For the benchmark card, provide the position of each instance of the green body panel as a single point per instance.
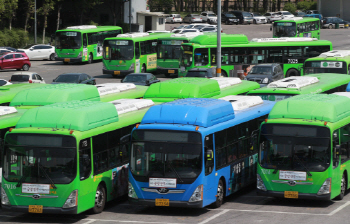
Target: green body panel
(326, 82)
(7, 93)
(10, 120)
(50, 94)
(345, 59)
(226, 39)
(314, 33)
(138, 92)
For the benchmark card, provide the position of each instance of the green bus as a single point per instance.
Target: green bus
(297, 27)
(8, 92)
(238, 54)
(82, 43)
(304, 148)
(169, 51)
(69, 157)
(131, 52)
(336, 61)
(182, 88)
(302, 85)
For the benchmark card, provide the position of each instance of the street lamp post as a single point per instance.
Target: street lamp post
(218, 49)
(35, 21)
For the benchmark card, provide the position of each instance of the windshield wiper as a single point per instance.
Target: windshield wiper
(23, 178)
(278, 166)
(47, 176)
(302, 164)
(173, 169)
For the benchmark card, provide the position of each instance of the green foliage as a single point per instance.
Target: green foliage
(290, 7)
(92, 23)
(124, 26)
(307, 5)
(161, 5)
(15, 38)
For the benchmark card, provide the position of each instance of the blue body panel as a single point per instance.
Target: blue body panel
(236, 174)
(348, 88)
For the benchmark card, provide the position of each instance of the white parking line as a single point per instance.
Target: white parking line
(215, 216)
(340, 208)
(90, 221)
(125, 221)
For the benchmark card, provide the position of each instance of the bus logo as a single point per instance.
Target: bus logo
(163, 190)
(36, 196)
(337, 64)
(291, 183)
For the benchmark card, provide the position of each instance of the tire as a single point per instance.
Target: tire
(25, 67)
(52, 57)
(90, 59)
(172, 21)
(143, 69)
(342, 188)
(254, 21)
(100, 200)
(219, 195)
(268, 21)
(330, 26)
(223, 73)
(292, 72)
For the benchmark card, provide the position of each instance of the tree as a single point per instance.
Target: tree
(11, 7)
(290, 7)
(84, 6)
(29, 12)
(114, 5)
(48, 6)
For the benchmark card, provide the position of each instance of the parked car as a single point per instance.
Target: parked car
(286, 14)
(143, 79)
(229, 18)
(319, 16)
(188, 31)
(39, 51)
(209, 17)
(178, 28)
(329, 22)
(312, 12)
(265, 73)
(202, 72)
(258, 18)
(192, 18)
(26, 77)
(15, 60)
(299, 14)
(4, 82)
(196, 25)
(158, 31)
(12, 49)
(272, 16)
(3, 50)
(80, 78)
(211, 28)
(173, 18)
(244, 17)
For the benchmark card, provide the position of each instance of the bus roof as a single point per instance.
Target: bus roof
(7, 93)
(198, 88)
(211, 39)
(299, 20)
(323, 107)
(202, 112)
(139, 36)
(306, 84)
(90, 28)
(335, 55)
(50, 94)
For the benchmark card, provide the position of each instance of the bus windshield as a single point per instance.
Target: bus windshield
(68, 40)
(272, 97)
(118, 50)
(313, 67)
(284, 29)
(40, 158)
(169, 49)
(186, 56)
(295, 147)
(166, 154)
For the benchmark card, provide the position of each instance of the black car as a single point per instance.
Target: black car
(142, 79)
(202, 72)
(329, 22)
(229, 18)
(80, 78)
(265, 73)
(244, 17)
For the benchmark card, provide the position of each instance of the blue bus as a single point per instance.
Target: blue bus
(194, 152)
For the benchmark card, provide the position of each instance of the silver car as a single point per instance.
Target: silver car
(192, 18)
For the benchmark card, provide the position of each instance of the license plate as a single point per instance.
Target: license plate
(162, 202)
(171, 71)
(66, 60)
(35, 209)
(291, 194)
(116, 72)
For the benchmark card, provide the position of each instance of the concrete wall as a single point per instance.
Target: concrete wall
(334, 7)
(136, 6)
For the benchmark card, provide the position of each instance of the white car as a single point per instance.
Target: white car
(258, 18)
(26, 77)
(286, 14)
(209, 17)
(4, 82)
(176, 29)
(272, 16)
(188, 31)
(158, 31)
(39, 51)
(173, 18)
(211, 28)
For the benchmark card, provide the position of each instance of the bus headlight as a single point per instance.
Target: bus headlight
(80, 54)
(265, 81)
(4, 199)
(131, 192)
(197, 194)
(132, 66)
(326, 187)
(72, 200)
(260, 183)
(103, 66)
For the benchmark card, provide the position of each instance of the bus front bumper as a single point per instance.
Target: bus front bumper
(119, 73)
(77, 59)
(168, 71)
(46, 210)
(186, 204)
(280, 194)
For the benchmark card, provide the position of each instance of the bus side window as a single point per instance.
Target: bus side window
(335, 144)
(220, 149)
(345, 143)
(85, 158)
(84, 40)
(137, 50)
(349, 70)
(100, 153)
(208, 153)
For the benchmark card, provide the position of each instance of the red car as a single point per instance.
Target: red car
(15, 60)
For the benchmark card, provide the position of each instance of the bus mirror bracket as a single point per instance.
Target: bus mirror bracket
(336, 151)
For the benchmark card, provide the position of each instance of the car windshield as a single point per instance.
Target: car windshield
(195, 15)
(68, 78)
(68, 40)
(180, 27)
(259, 70)
(229, 15)
(118, 49)
(246, 14)
(135, 78)
(166, 154)
(272, 97)
(208, 29)
(211, 15)
(188, 31)
(313, 67)
(177, 31)
(256, 14)
(177, 16)
(39, 158)
(287, 13)
(169, 49)
(284, 29)
(186, 56)
(28, 46)
(295, 147)
(19, 78)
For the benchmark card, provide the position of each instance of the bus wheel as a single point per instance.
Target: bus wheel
(90, 59)
(143, 69)
(292, 72)
(100, 199)
(342, 188)
(223, 73)
(219, 195)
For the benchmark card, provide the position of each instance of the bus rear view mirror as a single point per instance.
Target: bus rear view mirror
(209, 154)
